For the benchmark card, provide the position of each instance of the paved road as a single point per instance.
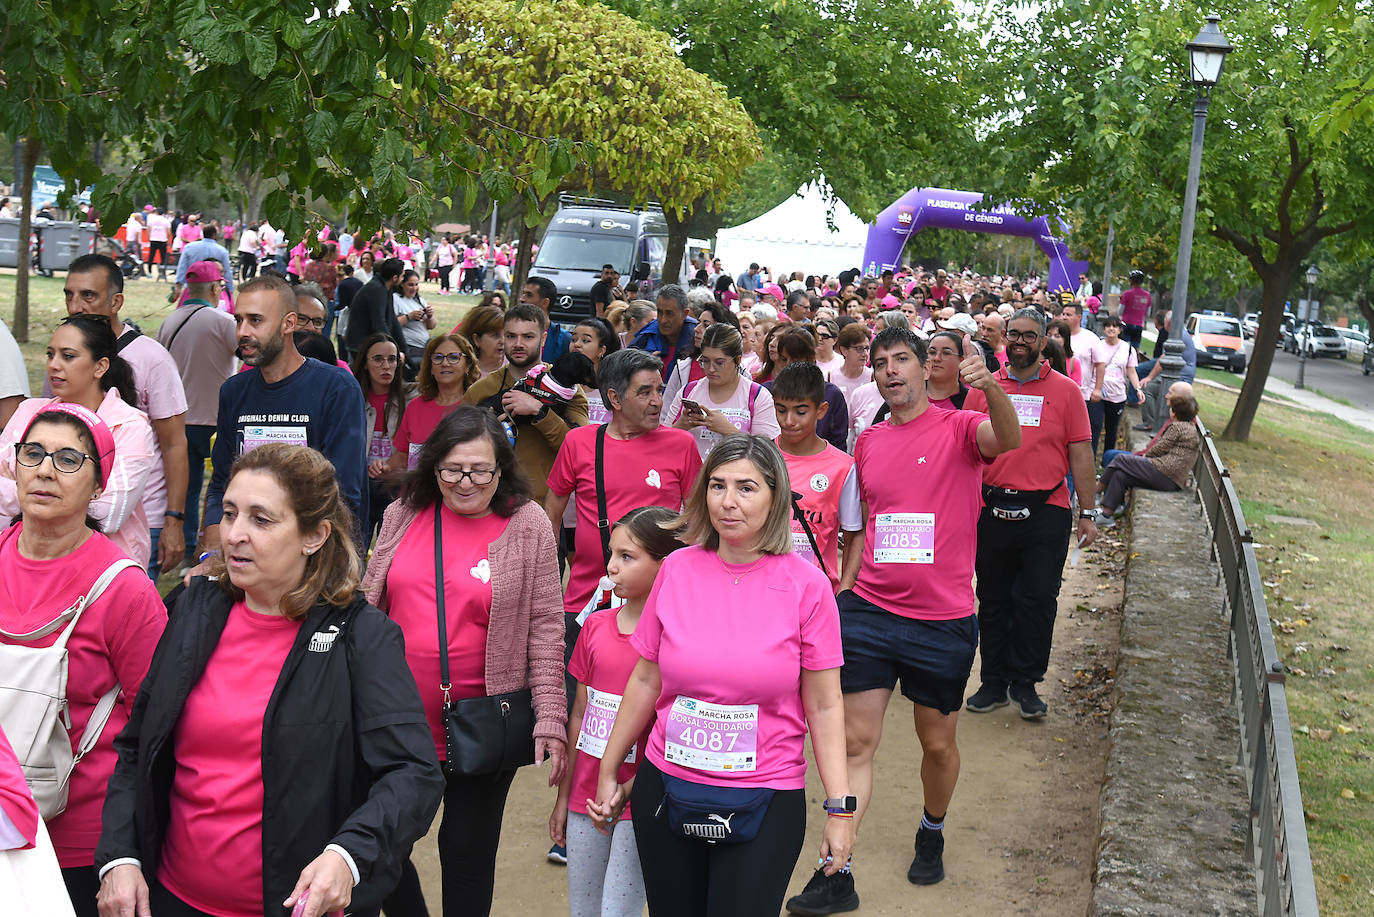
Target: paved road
(1332, 377)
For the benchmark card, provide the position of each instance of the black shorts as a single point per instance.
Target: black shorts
(933, 659)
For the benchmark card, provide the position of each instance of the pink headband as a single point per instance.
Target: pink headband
(104, 439)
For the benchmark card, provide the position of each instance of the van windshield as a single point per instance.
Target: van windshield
(572, 251)
(1221, 326)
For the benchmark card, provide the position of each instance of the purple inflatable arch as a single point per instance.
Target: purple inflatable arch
(945, 209)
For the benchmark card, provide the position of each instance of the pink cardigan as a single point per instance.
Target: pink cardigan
(525, 637)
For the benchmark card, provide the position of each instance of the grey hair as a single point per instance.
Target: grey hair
(1032, 314)
(894, 319)
(698, 298)
(674, 292)
(617, 369)
(314, 291)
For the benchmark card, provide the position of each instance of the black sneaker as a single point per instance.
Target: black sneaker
(1032, 707)
(558, 854)
(988, 697)
(825, 895)
(928, 867)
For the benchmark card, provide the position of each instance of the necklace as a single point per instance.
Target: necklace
(743, 573)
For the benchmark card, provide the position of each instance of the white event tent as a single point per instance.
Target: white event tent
(794, 236)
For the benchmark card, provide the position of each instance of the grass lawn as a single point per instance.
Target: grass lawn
(145, 302)
(1317, 584)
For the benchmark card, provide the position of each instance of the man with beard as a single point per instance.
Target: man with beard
(284, 397)
(536, 430)
(1023, 531)
(905, 593)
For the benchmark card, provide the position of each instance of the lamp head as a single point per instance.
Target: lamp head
(1312, 273)
(1207, 53)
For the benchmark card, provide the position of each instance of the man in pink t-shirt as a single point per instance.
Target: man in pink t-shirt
(906, 595)
(1024, 529)
(1135, 305)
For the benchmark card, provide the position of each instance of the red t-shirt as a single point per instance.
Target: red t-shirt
(212, 855)
(602, 661)
(1053, 415)
(921, 482)
(412, 603)
(654, 469)
(730, 710)
(112, 643)
(829, 489)
(422, 415)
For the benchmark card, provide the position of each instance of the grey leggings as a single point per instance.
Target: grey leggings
(604, 879)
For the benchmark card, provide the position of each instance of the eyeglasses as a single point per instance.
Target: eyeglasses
(825, 337)
(316, 323)
(439, 359)
(378, 359)
(1022, 337)
(66, 460)
(717, 365)
(478, 476)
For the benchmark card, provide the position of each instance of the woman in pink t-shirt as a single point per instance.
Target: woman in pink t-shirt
(852, 344)
(724, 402)
(740, 654)
(50, 559)
(604, 876)
(594, 338)
(86, 369)
(447, 368)
(1114, 361)
(278, 751)
(503, 622)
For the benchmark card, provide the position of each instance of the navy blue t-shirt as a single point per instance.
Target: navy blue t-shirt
(318, 405)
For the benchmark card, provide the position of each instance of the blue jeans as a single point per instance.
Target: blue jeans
(154, 568)
(1109, 454)
(197, 451)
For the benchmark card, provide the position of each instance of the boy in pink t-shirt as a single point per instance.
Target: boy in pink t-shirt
(824, 477)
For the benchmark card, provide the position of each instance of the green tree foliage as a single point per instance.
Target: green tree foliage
(1097, 113)
(333, 101)
(582, 71)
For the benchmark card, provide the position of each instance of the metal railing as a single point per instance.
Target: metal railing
(1277, 840)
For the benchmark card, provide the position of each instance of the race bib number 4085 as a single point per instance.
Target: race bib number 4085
(904, 538)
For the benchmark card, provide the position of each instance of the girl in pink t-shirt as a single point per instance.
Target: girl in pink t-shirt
(603, 870)
(740, 654)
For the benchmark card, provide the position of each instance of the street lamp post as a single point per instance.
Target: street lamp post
(1305, 327)
(1206, 55)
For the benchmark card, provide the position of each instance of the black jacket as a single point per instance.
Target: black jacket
(348, 757)
(372, 311)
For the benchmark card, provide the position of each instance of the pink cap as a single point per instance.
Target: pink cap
(104, 439)
(891, 301)
(772, 289)
(148, 208)
(204, 272)
(906, 291)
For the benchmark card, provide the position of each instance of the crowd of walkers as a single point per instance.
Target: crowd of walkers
(652, 552)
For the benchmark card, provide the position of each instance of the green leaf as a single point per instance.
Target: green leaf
(261, 52)
(319, 129)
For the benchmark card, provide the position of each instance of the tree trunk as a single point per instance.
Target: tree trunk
(1278, 281)
(677, 245)
(21, 281)
(524, 256)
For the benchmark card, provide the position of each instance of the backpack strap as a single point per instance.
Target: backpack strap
(126, 339)
(753, 396)
(806, 527)
(603, 525)
(73, 614)
(96, 724)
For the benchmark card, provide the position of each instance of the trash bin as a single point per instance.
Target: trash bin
(9, 242)
(61, 241)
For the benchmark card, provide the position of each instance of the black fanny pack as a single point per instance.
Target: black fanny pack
(714, 814)
(1015, 505)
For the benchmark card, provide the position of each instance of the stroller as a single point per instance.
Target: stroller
(129, 264)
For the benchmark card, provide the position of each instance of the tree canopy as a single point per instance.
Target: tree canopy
(1097, 114)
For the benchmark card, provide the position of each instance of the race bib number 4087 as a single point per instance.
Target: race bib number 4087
(712, 737)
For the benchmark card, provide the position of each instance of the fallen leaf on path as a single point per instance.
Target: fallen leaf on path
(1347, 793)
(1321, 735)
(1344, 729)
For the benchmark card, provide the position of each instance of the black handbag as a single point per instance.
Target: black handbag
(482, 735)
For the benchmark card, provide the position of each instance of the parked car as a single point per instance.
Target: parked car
(1319, 340)
(1218, 339)
(1357, 342)
(1249, 324)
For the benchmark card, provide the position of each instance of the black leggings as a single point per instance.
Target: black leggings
(82, 887)
(468, 838)
(1105, 416)
(689, 878)
(445, 270)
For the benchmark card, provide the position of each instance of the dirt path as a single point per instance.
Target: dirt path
(1022, 831)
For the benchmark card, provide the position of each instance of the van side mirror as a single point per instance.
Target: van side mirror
(641, 271)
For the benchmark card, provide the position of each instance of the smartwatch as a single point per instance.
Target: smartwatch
(844, 805)
(1087, 514)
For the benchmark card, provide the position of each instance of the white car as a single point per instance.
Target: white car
(1320, 341)
(1357, 342)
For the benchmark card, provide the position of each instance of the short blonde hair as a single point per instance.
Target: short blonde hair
(695, 519)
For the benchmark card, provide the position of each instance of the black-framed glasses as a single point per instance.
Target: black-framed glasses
(453, 359)
(66, 460)
(478, 476)
(316, 323)
(825, 337)
(1022, 337)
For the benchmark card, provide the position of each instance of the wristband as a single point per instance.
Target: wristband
(175, 515)
(1087, 514)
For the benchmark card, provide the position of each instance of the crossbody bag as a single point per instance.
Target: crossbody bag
(482, 735)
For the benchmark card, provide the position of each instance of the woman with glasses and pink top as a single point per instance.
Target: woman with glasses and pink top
(724, 402)
(448, 367)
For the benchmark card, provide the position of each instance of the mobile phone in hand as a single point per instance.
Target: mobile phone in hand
(692, 407)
